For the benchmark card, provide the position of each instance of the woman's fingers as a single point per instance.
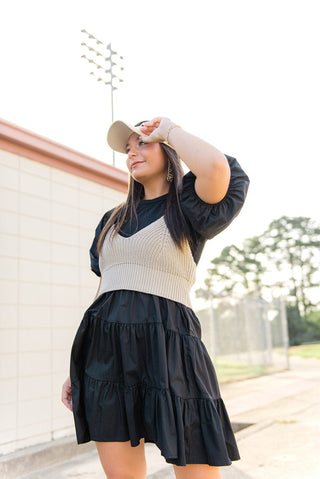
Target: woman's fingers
(147, 129)
(155, 130)
(153, 123)
(66, 396)
(149, 126)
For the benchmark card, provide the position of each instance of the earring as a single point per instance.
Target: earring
(170, 173)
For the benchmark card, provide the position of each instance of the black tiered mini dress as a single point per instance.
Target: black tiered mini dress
(138, 366)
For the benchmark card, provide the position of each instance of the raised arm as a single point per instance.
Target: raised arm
(206, 162)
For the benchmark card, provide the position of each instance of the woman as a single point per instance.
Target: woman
(139, 371)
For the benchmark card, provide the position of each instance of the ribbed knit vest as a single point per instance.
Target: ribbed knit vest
(148, 261)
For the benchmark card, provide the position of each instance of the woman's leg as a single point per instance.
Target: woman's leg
(197, 471)
(122, 461)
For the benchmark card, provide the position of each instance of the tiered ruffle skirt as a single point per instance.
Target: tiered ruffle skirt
(140, 370)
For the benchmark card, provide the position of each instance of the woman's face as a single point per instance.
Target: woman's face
(146, 161)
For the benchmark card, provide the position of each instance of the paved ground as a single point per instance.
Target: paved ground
(283, 441)
(285, 408)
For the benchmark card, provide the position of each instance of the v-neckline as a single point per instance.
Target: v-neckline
(142, 229)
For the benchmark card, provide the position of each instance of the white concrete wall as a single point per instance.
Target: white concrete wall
(47, 222)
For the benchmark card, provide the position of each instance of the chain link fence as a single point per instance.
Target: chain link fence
(247, 333)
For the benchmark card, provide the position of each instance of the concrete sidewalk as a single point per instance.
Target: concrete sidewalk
(283, 440)
(285, 410)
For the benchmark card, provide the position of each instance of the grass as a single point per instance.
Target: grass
(236, 370)
(228, 370)
(306, 351)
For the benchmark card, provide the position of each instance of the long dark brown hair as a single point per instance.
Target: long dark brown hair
(173, 214)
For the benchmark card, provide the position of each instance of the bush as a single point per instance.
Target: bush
(302, 330)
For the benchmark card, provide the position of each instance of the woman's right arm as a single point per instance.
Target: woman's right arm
(66, 396)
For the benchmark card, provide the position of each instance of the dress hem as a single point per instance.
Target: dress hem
(169, 460)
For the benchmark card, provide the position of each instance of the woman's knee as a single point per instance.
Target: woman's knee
(197, 471)
(122, 461)
(119, 472)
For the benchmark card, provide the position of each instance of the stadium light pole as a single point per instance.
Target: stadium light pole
(101, 59)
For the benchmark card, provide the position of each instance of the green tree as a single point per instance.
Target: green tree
(237, 270)
(292, 247)
(283, 261)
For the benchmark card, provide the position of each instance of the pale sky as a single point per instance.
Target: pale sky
(243, 75)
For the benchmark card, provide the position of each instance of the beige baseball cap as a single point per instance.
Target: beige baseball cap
(119, 133)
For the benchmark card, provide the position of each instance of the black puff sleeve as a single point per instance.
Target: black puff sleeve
(206, 219)
(94, 257)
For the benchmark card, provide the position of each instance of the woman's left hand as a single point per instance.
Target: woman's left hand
(156, 130)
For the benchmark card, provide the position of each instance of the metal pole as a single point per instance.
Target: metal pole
(213, 328)
(105, 73)
(113, 154)
(268, 336)
(284, 325)
(247, 329)
(111, 104)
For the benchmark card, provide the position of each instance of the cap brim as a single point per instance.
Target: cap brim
(118, 135)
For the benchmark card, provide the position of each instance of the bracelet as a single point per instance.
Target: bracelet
(169, 131)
